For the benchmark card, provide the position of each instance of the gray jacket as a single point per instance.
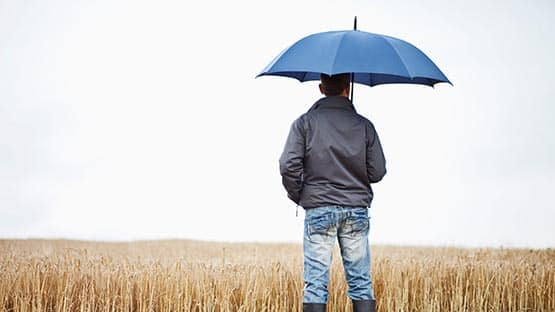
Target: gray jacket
(331, 156)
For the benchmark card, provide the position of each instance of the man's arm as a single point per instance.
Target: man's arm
(375, 160)
(291, 161)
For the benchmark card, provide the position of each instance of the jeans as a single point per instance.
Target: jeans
(321, 227)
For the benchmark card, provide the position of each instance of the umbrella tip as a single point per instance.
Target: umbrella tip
(355, 26)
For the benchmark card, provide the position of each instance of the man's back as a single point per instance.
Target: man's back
(331, 156)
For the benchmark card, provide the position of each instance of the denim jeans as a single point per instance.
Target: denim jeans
(350, 226)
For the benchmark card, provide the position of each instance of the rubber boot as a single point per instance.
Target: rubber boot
(364, 305)
(314, 307)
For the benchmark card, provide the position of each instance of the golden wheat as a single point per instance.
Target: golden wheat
(178, 275)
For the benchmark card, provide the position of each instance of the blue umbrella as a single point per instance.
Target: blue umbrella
(371, 59)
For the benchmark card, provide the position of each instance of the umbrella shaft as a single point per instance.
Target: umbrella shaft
(352, 84)
(353, 74)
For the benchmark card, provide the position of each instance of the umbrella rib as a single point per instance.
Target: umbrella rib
(400, 57)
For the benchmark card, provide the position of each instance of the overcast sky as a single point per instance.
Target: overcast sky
(124, 120)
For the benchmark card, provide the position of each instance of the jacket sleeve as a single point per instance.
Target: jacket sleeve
(291, 161)
(375, 159)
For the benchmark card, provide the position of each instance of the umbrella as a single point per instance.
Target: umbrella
(371, 59)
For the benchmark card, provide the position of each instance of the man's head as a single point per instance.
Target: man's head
(335, 84)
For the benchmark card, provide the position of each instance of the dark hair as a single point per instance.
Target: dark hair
(335, 84)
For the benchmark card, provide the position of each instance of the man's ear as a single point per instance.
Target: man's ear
(321, 88)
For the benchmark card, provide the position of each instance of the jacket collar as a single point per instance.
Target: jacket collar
(338, 102)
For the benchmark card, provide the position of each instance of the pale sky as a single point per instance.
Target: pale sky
(124, 120)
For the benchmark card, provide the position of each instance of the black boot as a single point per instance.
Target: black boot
(364, 305)
(314, 307)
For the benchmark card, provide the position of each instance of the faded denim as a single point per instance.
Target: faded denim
(350, 225)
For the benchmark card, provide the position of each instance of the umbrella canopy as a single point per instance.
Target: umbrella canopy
(373, 59)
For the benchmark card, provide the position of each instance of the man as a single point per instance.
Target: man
(331, 156)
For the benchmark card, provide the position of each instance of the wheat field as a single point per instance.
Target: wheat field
(184, 275)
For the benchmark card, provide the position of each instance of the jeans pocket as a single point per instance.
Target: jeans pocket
(356, 225)
(318, 225)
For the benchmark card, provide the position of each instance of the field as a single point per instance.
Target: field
(183, 275)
